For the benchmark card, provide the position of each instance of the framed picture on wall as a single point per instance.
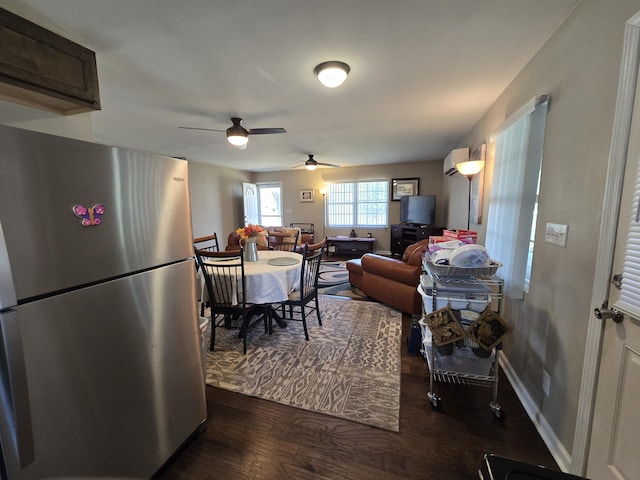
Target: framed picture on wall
(404, 187)
(306, 195)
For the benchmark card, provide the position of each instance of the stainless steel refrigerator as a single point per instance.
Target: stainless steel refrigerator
(100, 366)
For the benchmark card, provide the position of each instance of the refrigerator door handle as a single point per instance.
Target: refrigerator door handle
(14, 392)
(7, 289)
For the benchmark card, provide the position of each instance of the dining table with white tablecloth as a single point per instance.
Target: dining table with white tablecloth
(271, 278)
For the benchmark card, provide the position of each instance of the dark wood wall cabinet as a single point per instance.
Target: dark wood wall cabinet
(404, 235)
(41, 69)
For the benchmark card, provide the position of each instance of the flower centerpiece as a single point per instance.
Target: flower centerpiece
(249, 232)
(250, 235)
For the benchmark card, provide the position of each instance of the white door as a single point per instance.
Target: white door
(613, 446)
(250, 197)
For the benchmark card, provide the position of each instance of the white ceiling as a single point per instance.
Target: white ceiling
(423, 72)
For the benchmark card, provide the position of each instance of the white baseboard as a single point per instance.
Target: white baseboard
(553, 443)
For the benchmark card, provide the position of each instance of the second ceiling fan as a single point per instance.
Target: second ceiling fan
(238, 135)
(312, 164)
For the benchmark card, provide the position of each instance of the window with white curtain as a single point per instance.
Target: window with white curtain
(518, 160)
(532, 239)
(363, 203)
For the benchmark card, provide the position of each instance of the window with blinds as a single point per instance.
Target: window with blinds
(358, 204)
(630, 292)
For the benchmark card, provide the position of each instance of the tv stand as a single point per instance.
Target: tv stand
(403, 235)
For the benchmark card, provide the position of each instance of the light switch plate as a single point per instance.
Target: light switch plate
(556, 234)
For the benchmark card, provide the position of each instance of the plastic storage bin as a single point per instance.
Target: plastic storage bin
(459, 295)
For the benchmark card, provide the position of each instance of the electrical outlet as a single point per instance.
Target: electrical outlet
(556, 234)
(546, 382)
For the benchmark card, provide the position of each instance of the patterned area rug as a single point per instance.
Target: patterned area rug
(334, 280)
(349, 368)
(333, 273)
(344, 290)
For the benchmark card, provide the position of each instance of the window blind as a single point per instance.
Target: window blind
(358, 204)
(630, 292)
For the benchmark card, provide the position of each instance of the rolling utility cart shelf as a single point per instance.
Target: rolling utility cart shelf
(467, 363)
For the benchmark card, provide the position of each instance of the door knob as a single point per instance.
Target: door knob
(605, 314)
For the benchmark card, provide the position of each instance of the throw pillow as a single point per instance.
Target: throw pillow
(290, 234)
(262, 239)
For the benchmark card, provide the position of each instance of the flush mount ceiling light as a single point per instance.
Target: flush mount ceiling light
(332, 74)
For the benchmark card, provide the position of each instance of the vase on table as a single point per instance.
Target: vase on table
(250, 250)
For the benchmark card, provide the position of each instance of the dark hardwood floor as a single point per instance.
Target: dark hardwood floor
(249, 438)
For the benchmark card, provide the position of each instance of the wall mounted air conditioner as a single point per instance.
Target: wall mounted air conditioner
(455, 156)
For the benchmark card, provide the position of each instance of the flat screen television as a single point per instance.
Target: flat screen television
(418, 209)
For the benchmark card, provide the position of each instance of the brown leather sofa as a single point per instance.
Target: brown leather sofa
(389, 280)
(271, 235)
(233, 242)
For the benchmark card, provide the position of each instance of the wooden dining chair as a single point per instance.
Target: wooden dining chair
(283, 243)
(226, 290)
(208, 243)
(304, 301)
(312, 247)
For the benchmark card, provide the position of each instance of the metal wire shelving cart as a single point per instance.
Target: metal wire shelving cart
(463, 366)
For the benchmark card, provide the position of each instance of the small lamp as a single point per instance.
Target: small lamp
(470, 169)
(323, 191)
(332, 74)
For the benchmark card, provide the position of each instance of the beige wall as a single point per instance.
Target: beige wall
(578, 67)
(216, 200)
(429, 173)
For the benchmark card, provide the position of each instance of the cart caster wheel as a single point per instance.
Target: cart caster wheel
(436, 401)
(497, 411)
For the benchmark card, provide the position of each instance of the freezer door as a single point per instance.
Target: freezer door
(131, 211)
(113, 374)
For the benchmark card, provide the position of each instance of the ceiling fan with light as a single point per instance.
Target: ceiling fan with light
(238, 135)
(312, 164)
